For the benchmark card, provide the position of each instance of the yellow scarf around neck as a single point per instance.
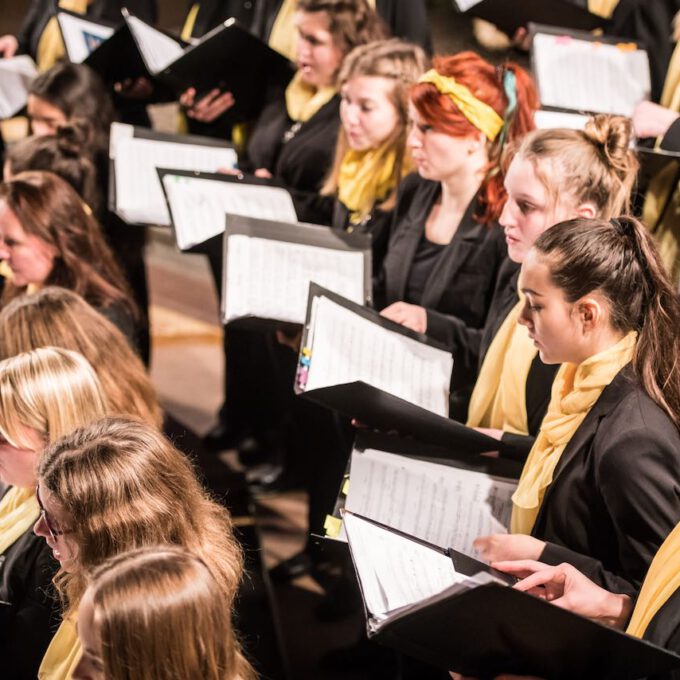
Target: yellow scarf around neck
(662, 580)
(366, 178)
(603, 8)
(575, 390)
(19, 511)
(303, 101)
(51, 46)
(63, 653)
(499, 396)
(190, 22)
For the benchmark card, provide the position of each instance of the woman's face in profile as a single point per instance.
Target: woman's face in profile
(54, 525)
(317, 56)
(28, 256)
(45, 117)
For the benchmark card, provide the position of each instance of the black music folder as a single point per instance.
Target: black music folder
(268, 268)
(509, 15)
(478, 625)
(655, 160)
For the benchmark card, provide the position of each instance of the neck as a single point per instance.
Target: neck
(602, 340)
(460, 188)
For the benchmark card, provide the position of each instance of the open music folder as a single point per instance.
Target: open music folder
(509, 15)
(269, 265)
(578, 72)
(135, 153)
(442, 607)
(16, 76)
(199, 201)
(82, 36)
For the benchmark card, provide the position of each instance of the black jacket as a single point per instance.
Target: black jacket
(28, 623)
(664, 630)
(615, 494)
(40, 11)
(459, 290)
(212, 13)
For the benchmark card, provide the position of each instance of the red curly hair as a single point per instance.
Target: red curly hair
(485, 81)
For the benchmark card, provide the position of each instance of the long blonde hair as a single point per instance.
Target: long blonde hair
(160, 615)
(60, 317)
(51, 390)
(402, 63)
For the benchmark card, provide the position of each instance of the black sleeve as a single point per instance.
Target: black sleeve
(671, 140)
(30, 24)
(312, 207)
(407, 19)
(520, 445)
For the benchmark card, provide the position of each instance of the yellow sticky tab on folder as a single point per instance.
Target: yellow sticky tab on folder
(345, 487)
(626, 47)
(332, 526)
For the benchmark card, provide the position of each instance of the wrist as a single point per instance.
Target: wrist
(615, 610)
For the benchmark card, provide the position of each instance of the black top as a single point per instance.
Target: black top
(40, 11)
(664, 630)
(29, 622)
(615, 494)
(458, 291)
(425, 259)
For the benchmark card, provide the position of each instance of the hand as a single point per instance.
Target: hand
(263, 173)
(522, 41)
(293, 342)
(8, 46)
(652, 120)
(208, 108)
(411, 316)
(499, 547)
(134, 88)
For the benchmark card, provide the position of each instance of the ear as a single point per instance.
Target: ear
(587, 210)
(591, 313)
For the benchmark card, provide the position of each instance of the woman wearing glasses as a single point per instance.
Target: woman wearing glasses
(44, 394)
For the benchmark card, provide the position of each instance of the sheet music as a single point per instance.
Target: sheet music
(16, 76)
(81, 37)
(198, 206)
(346, 347)
(158, 49)
(440, 504)
(465, 5)
(581, 75)
(270, 279)
(139, 196)
(395, 571)
(560, 119)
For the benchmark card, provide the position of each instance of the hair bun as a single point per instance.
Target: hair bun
(613, 134)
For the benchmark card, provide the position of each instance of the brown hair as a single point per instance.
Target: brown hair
(159, 615)
(49, 208)
(402, 63)
(350, 22)
(594, 165)
(60, 317)
(619, 259)
(487, 83)
(123, 485)
(66, 154)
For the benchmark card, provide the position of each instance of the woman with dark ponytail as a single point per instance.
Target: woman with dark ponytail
(600, 489)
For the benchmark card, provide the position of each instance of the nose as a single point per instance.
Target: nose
(4, 251)
(507, 218)
(414, 139)
(350, 114)
(525, 316)
(40, 528)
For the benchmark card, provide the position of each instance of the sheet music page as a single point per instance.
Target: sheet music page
(139, 196)
(465, 5)
(81, 37)
(395, 571)
(16, 76)
(198, 206)
(560, 119)
(158, 49)
(345, 348)
(440, 504)
(580, 75)
(270, 279)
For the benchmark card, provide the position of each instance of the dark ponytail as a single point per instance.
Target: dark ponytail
(620, 260)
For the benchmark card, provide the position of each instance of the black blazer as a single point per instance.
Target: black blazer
(460, 287)
(664, 630)
(40, 12)
(615, 495)
(211, 13)
(28, 624)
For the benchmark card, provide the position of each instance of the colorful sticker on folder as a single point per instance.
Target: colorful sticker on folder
(332, 526)
(345, 487)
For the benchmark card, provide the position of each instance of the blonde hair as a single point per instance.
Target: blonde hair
(123, 485)
(56, 316)
(402, 63)
(160, 615)
(594, 165)
(51, 390)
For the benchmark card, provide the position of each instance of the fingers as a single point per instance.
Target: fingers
(519, 568)
(263, 173)
(210, 107)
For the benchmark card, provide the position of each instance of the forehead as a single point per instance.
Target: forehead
(369, 87)
(312, 22)
(521, 178)
(535, 273)
(38, 106)
(9, 222)
(51, 503)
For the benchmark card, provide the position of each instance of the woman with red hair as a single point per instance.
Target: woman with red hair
(446, 246)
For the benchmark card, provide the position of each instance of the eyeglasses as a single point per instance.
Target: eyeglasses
(46, 518)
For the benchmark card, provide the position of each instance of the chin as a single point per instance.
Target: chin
(516, 252)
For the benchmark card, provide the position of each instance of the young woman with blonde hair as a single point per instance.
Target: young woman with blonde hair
(137, 601)
(60, 317)
(44, 394)
(120, 484)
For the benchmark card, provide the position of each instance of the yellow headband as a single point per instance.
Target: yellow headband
(481, 115)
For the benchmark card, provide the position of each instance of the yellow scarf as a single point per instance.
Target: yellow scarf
(190, 22)
(575, 391)
(303, 101)
(63, 653)
(365, 178)
(662, 580)
(499, 397)
(19, 511)
(51, 45)
(603, 8)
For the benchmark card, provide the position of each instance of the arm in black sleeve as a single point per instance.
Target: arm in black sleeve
(407, 19)
(671, 140)
(30, 24)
